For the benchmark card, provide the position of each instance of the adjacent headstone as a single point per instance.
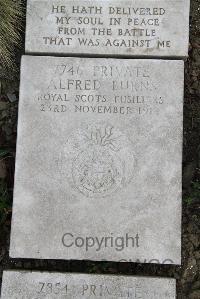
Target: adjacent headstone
(99, 155)
(40, 285)
(109, 27)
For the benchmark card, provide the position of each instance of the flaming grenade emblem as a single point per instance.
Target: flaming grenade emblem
(103, 160)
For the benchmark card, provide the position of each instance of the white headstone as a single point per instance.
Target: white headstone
(40, 285)
(99, 155)
(109, 27)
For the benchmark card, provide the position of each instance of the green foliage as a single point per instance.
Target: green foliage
(11, 22)
(5, 202)
(3, 152)
(5, 199)
(194, 193)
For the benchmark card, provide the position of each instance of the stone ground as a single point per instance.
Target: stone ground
(187, 275)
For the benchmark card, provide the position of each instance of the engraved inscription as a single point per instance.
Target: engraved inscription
(112, 90)
(107, 26)
(86, 290)
(90, 290)
(48, 288)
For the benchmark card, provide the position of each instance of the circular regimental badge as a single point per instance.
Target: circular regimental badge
(100, 159)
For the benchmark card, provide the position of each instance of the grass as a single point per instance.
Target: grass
(5, 198)
(5, 202)
(11, 22)
(194, 194)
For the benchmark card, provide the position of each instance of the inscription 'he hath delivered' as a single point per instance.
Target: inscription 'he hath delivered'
(131, 28)
(99, 144)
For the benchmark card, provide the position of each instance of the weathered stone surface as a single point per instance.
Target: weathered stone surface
(29, 285)
(132, 28)
(98, 167)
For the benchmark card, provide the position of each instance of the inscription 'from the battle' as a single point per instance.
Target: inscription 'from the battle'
(136, 28)
(124, 90)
